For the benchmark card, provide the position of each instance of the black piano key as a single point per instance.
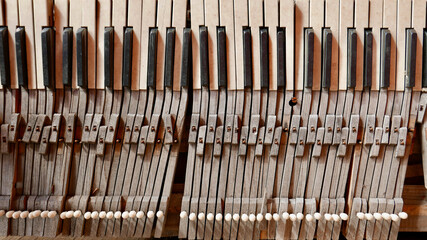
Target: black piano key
(81, 50)
(351, 58)
(204, 56)
(4, 57)
(326, 58)
(127, 58)
(48, 56)
(108, 56)
(21, 56)
(67, 56)
(247, 57)
(308, 57)
(222, 57)
(265, 56)
(411, 56)
(385, 58)
(186, 63)
(152, 58)
(281, 57)
(424, 81)
(367, 61)
(169, 56)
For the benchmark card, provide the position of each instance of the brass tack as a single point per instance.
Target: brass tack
(228, 128)
(111, 128)
(301, 142)
(270, 130)
(87, 128)
(243, 140)
(211, 129)
(218, 141)
(254, 129)
(69, 128)
(312, 128)
(101, 140)
(153, 128)
(329, 129)
(94, 128)
(318, 142)
(276, 141)
(29, 128)
(200, 140)
(354, 129)
(127, 129)
(193, 128)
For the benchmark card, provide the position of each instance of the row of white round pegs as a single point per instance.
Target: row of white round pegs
(380, 216)
(110, 214)
(28, 214)
(268, 216)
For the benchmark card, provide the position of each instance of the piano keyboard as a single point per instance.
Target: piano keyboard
(295, 118)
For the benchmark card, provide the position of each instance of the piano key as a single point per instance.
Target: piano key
(222, 57)
(326, 58)
(301, 23)
(226, 9)
(204, 56)
(256, 20)
(152, 58)
(108, 57)
(345, 25)
(21, 56)
(179, 22)
(240, 20)
(367, 63)
(67, 56)
(118, 21)
(12, 21)
(82, 58)
(403, 22)
(169, 57)
(281, 57)
(332, 18)
(317, 16)
(385, 58)
(61, 21)
(366, 20)
(135, 10)
(211, 24)
(4, 57)
(48, 51)
(247, 57)
(127, 57)
(424, 84)
(308, 57)
(26, 19)
(148, 22)
(419, 24)
(389, 22)
(352, 58)
(264, 52)
(411, 51)
(186, 73)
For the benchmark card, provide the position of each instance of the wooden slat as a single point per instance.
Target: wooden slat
(118, 21)
(103, 20)
(11, 7)
(148, 20)
(135, 10)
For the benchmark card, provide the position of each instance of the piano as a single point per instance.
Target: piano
(284, 119)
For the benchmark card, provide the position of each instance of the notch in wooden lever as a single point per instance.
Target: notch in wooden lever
(108, 56)
(4, 57)
(127, 57)
(48, 56)
(263, 39)
(152, 58)
(67, 56)
(385, 58)
(222, 57)
(351, 57)
(204, 56)
(21, 56)
(367, 62)
(169, 56)
(247, 57)
(308, 57)
(326, 58)
(82, 73)
(281, 57)
(186, 63)
(410, 60)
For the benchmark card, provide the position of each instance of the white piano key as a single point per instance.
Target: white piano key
(272, 22)
(361, 23)
(12, 20)
(241, 20)
(419, 23)
(332, 21)
(104, 20)
(301, 22)
(61, 20)
(316, 23)
(75, 22)
(212, 21)
(287, 20)
(118, 21)
(226, 20)
(26, 20)
(389, 21)
(346, 21)
(256, 21)
(403, 22)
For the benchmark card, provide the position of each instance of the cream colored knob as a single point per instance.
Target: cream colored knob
(125, 214)
(37, 213)
(394, 217)
(117, 214)
(102, 214)
(328, 217)
(336, 218)
(16, 214)
(150, 214)
(201, 216)
(369, 216)
(245, 217)
(403, 215)
(360, 215)
(259, 217)
(192, 217)
(236, 217)
(160, 214)
(317, 216)
(183, 214)
(94, 215)
(300, 216)
(63, 215)
(386, 216)
(309, 217)
(87, 215)
(344, 216)
(44, 214)
(2, 212)
(31, 215)
(276, 217)
(293, 217)
(132, 214)
(285, 215)
(218, 217)
(268, 216)
(378, 216)
(110, 215)
(140, 214)
(9, 214)
(69, 214)
(228, 217)
(51, 214)
(77, 214)
(210, 217)
(252, 217)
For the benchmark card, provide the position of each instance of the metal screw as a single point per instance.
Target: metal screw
(254, 129)
(318, 142)
(87, 128)
(127, 129)
(200, 140)
(136, 129)
(312, 128)
(111, 128)
(218, 141)
(211, 129)
(153, 129)
(44, 140)
(243, 140)
(301, 142)
(94, 128)
(101, 140)
(193, 128)
(354, 129)
(270, 130)
(228, 128)
(28, 128)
